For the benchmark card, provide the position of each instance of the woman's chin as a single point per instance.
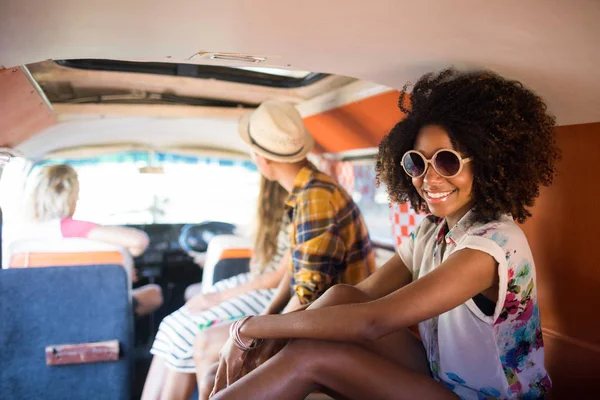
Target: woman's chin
(440, 211)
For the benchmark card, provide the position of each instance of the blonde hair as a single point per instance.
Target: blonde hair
(54, 194)
(269, 217)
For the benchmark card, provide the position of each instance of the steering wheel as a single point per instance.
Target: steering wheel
(195, 237)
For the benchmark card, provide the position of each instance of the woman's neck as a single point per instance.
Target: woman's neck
(452, 220)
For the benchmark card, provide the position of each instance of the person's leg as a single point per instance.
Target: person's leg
(401, 346)
(207, 381)
(148, 297)
(178, 385)
(163, 383)
(154, 380)
(207, 347)
(304, 366)
(172, 350)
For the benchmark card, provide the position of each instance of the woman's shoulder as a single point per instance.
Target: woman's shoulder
(76, 228)
(501, 237)
(501, 231)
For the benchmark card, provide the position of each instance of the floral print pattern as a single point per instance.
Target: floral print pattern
(474, 355)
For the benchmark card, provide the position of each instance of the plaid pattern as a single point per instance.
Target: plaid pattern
(328, 237)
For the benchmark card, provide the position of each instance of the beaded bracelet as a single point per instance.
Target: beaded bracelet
(234, 333)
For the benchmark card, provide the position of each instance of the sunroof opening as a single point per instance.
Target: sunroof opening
(279, 72)
(274, 77)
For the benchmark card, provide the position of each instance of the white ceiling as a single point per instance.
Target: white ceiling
(158, 133)
(550, 45)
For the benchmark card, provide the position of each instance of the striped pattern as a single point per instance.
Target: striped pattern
(328, 236)
(177, 332)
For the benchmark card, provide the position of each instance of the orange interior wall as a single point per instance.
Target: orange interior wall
(23, 112)
(356, 125)
(562, 234)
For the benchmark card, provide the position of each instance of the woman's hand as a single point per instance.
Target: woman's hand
(231, 360)
(202, 302)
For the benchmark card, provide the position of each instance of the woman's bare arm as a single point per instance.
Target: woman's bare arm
(204, 301)
(437, 292)
(268, 280)
(134, 240)
(392, 276)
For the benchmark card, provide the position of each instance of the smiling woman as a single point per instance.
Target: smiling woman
(466, 276)
(448, 190)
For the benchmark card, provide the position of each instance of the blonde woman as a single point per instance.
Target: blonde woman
(172, 373)
(53, 201)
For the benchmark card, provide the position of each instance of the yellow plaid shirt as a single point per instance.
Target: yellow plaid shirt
(328, 237)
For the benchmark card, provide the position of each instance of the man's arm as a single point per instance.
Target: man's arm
(319, 253)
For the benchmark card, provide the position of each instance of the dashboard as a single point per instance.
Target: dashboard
(164, 255)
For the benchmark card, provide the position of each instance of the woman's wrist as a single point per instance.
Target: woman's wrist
(244, 337)
(243, 342)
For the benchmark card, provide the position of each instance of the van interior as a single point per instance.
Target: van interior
(143, 100)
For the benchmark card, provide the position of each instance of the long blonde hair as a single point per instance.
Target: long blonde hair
(54, 194)
(269, 217)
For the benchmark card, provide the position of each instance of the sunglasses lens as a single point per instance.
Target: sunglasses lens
(446, 163)
(413, 164)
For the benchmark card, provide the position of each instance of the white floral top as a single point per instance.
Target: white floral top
(475, 355)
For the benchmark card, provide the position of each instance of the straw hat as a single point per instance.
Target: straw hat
(276, 131)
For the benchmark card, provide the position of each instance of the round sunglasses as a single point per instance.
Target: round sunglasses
(446, 162)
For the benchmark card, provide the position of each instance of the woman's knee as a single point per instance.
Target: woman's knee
(149, 298)
(340, 294)
(150, 294)
(307, 355)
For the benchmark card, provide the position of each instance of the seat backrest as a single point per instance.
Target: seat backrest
(65, 252)
(1, 238)
(59, 306)
(227, 255)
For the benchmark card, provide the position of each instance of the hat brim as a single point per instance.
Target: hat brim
(243, 131)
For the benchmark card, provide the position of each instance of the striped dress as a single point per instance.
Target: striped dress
(177, 332)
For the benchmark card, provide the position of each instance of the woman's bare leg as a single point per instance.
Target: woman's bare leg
(206, 382)
(178, 386)
(149, 298)
(350, 370)
(163, 383)
(401, 347)
(401, 350)
(154, 380)
(207, 346)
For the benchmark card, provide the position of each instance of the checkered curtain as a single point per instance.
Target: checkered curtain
(404, 221)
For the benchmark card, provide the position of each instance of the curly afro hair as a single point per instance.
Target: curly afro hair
(502, 125)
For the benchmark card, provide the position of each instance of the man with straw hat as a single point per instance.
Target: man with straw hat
(328, 237)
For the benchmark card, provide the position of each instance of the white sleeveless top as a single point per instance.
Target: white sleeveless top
(479, 356)
(42, 230)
